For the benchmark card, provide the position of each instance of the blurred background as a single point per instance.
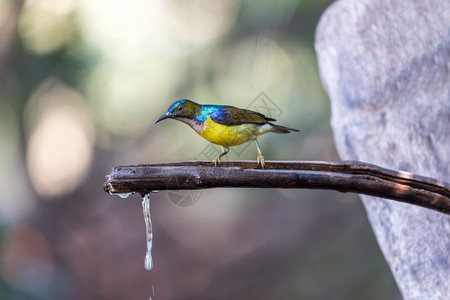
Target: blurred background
(81, 83)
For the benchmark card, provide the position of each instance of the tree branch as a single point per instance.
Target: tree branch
(347, 176)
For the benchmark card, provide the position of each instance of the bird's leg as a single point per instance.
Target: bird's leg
(259, 156)
(217, 159)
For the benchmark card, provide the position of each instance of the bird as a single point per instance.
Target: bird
(224, 125)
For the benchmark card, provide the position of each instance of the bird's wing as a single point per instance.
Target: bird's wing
(237, 116)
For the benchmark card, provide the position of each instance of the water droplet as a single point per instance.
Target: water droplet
(124, 195)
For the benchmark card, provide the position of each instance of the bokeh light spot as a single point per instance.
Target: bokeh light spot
(60, 145)
(45, 25)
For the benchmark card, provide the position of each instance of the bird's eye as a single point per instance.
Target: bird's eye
(180, 107)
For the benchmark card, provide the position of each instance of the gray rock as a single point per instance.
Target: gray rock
(386, 68)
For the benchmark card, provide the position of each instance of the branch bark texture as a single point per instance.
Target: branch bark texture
(348, 176)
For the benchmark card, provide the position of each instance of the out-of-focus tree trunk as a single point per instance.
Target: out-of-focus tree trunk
(386, 67)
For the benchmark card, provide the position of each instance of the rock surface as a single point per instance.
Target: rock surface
(386, 68)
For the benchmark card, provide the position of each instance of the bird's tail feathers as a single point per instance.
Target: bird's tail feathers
(281, 129)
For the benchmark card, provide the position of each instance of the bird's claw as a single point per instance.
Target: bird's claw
(260, 160)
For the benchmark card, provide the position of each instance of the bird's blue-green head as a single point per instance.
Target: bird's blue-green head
(183, 110)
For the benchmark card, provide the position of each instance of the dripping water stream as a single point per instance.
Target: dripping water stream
(148, 264)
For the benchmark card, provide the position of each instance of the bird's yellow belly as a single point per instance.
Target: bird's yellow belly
(225, 135)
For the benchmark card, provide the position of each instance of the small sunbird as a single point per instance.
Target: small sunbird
(224, 125)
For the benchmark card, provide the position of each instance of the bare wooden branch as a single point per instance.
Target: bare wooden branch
(347, 176)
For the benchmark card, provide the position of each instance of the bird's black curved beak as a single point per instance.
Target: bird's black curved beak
(164, 116)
